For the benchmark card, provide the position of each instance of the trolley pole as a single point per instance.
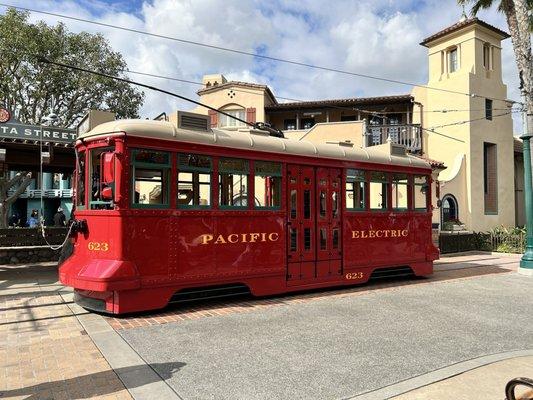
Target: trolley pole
(526, 263)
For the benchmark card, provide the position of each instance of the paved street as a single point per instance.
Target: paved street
(369, 342)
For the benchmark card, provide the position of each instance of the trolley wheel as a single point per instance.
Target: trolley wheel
(513, 383)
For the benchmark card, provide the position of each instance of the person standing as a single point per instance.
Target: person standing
(59, 218)
(33, 221)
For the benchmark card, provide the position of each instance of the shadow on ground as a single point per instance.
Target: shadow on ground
(133, 376)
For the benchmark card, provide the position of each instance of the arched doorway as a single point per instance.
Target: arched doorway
(450, 209)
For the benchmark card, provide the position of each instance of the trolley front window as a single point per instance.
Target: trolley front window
(96, 200)
(150, 176)
(233, 177)
(194, 181)
(267, 185)
(80, 181)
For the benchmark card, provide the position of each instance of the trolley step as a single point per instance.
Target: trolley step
(209, 292)
(391, 272)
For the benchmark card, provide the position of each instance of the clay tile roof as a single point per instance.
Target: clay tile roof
(463, 24)
(237, 83)
(434, 163)
(341, 102)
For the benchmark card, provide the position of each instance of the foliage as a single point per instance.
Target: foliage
(34, 89)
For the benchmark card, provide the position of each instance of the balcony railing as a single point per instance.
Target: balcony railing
(47, 193)
(409, 136)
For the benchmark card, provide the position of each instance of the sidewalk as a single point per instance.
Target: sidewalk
(46, 353)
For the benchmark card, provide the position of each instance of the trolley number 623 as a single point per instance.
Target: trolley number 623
(98, 246)
(354, 275)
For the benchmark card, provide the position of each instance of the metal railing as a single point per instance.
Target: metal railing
(409, 136)
(508, 242)
(49, 193)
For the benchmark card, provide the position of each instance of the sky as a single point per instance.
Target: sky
(375, 37)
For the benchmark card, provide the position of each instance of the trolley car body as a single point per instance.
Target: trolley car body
(169, 210)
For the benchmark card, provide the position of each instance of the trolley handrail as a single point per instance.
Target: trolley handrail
(513, 383)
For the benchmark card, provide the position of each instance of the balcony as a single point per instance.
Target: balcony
(409, 136)
(47, 193)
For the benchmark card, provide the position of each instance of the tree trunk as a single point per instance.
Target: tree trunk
(5, 200)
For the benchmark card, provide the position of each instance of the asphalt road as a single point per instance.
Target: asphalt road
(336, 348)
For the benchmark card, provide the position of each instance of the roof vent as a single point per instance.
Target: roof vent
(346, 143)
(196, 122)
(398, 150)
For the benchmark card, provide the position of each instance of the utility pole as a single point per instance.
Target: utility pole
(526, 263)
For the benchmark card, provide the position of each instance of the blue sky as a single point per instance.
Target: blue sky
(375, 37)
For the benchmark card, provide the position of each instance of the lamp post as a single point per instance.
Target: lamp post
(526, 263)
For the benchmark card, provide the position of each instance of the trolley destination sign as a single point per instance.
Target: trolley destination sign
(15, 130)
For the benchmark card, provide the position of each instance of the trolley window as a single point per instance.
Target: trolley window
(150, 175)
(379, 189)
(96, 201)
(400, 192)
(267, 185)
(80, 181)
(233, 178)
(194, 181)
(355, 189)
(421, 192)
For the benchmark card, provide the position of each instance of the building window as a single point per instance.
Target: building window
(233, 178)
(267, 185)
(450, 209)
(486, 56)
(345, 118)
(379, 191)
(453, 62)
(289, 124)
(421, 192)
(400, 192)
(194, 181)
(488, 109)
(490, 178)
(308, 123)
(355, 189)
(227, 122)
(150, 175)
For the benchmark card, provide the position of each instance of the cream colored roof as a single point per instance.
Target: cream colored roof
(254, 140)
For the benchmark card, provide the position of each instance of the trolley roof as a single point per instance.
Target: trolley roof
(254, 140)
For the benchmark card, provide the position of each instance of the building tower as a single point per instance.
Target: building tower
(478, 186)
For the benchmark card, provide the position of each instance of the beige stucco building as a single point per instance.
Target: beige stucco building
(461, 122)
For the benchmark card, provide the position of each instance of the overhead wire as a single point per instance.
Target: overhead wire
(251, 54)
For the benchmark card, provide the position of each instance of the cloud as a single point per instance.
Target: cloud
(374, 37)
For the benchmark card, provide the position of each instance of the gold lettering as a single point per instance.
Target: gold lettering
(355, 234)
(372, 234)
(263, 237)
(273, 235)
(405, 232)
(363, 235)
(244, 238)
(387, 233)
(392, 233)
(379, 234)
(206, 238)
(253, 237)
(220, 239)
(233, 240)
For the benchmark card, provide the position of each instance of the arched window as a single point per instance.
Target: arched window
(235, 110)
(450, 209)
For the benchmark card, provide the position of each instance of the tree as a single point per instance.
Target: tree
(33, 89)
(519, 15)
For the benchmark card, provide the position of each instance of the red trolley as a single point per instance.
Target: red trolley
(164, 211)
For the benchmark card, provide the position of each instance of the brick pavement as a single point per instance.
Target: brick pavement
(44, 351)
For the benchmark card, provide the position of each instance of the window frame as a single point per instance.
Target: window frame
(90, 202)
(82, 158)
(165, 168)
(354, 180)
(415, 186)
(489, 104)
(192, 170)
(408, 186)
(455, 65)
(230, 110)
(248, 174)
(277, 175)
(386, 181)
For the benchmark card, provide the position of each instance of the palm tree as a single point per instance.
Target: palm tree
(519, 15)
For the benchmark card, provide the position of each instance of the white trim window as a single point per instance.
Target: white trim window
(453, 59)
(226, 122)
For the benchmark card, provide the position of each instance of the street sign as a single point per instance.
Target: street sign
(15, 130)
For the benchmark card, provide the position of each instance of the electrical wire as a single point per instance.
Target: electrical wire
(251, 54)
